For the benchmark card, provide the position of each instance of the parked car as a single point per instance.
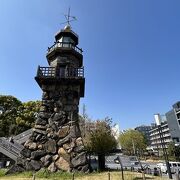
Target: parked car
(175, 166)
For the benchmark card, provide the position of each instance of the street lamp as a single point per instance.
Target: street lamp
(158, 123)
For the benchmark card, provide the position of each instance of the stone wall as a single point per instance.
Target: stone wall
(56, 141)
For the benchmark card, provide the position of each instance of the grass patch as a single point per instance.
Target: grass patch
(45, 175)
(3, 172)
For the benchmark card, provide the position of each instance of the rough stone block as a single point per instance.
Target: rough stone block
(40, 127)
(60, 116)
(37, 154)
(20, 161)
(52, 167)
(39, 131)
(64, 154)
(79, 160)
(44, 115)
(28, 166)
(40, 121)
(55, 157)
(50, 146)
(63, 132)
(79, 149)
(62, 164)
(26, 153)
(74, 132)
(40, 146)
(36, 165)
(79, 141)
(33, 146)
(62, 141)
(69, 145)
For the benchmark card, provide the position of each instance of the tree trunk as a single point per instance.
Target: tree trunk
(101, 162)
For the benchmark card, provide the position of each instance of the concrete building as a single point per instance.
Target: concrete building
(170, 126)
(155, 136)
(173, 126)
(176, 108)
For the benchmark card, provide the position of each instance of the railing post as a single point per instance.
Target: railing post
(38, 70)
(109, 176)
(34, 176)
(55, 71)
(73, 176)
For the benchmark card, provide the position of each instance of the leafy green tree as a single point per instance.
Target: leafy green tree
(26, 118)
(15, 116)
(132, 141)
(9, 110)
(171, 149)
(100, 141)
(174, 151)
(177, 152)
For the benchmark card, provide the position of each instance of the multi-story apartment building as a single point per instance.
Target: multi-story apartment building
(176, 108)
(156, 135)
(170, 127)
(173, 126)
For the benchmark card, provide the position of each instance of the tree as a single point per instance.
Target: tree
(100, 141)
(132, 141)
(10, 108)
(26, 118)
(15, 116)
(171, 149)
(174, 150)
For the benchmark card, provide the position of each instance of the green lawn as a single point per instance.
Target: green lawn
(44, 175)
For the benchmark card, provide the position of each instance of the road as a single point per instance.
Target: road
(129, 164)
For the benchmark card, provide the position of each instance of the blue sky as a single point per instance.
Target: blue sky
(131, 53)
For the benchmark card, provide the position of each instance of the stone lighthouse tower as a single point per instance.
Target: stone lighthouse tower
(55, 142)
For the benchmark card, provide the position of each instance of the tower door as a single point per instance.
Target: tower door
(62, 71)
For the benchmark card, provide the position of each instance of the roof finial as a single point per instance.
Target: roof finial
(69, 18)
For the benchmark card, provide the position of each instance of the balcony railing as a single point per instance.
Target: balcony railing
(64, 45)
(46, 71)
(61, 72)
(11, 147)
(177, 109)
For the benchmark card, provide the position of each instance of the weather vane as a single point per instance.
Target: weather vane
(69, 18)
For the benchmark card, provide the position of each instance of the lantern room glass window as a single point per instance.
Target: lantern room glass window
(66, 42)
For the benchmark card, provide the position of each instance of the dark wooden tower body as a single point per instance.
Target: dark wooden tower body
(56, 141)
(65, 60)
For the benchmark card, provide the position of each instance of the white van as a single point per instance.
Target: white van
(175, 166)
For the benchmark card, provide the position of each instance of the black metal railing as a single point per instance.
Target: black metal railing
(14, 149)
(64, 45)
(46, 71)
(60, 72)
(74, 72)
(21, 138)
